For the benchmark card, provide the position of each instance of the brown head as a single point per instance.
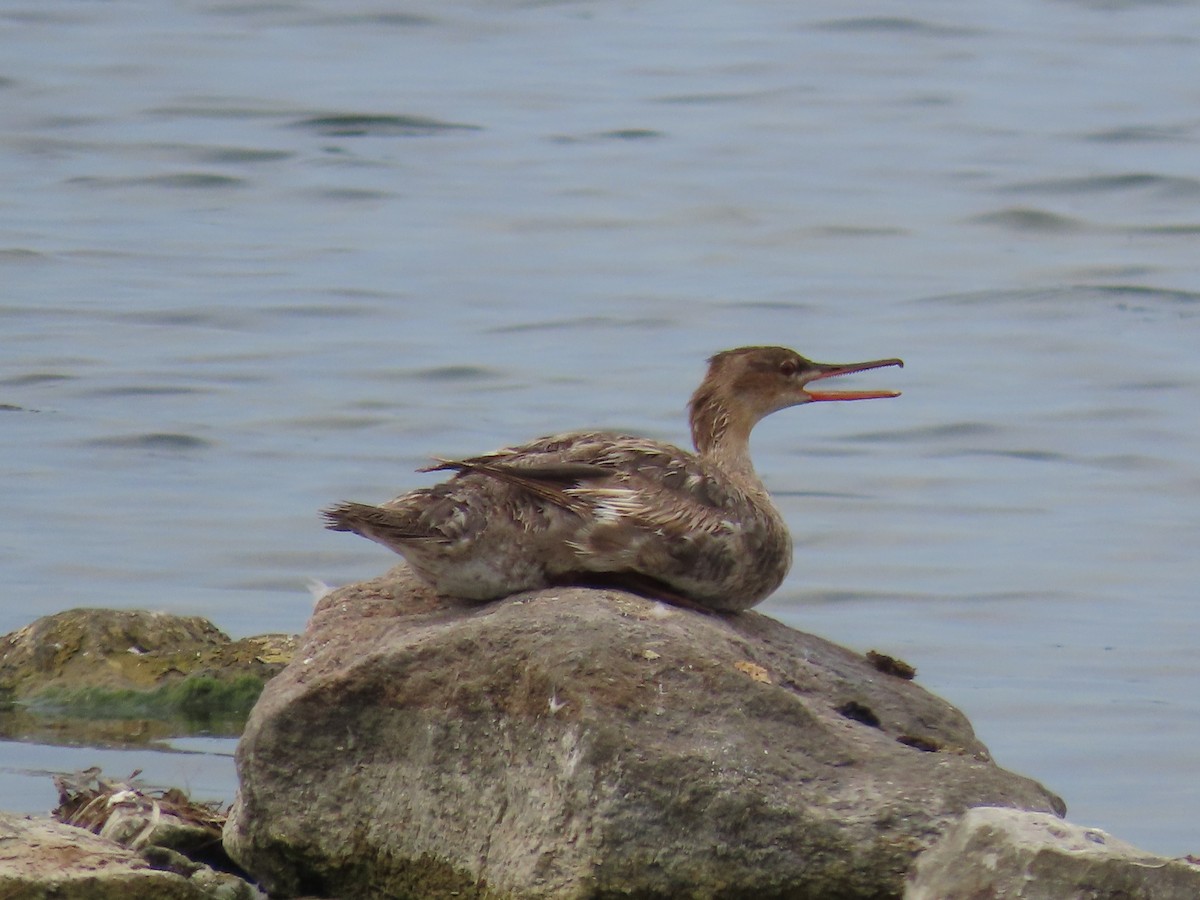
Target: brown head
(745, 385)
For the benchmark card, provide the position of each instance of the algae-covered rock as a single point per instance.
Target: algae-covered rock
(177, 674)
(580, 743)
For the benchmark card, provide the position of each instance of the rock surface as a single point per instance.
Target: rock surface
(583, 743)
(994, 853)
(40, 859)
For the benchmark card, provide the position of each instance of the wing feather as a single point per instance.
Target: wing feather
(612, 477)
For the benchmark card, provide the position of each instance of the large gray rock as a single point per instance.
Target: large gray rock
(584, 743)
(996, 853)
(42, 859)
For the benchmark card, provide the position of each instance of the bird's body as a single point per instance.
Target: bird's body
(597, 507)
(575, 508)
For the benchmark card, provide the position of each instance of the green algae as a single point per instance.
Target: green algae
(199, 704)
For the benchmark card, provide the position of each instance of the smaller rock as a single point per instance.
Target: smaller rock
(139, 817)
(165, 828)
(170, 674)
(994, 852)
(41, 858)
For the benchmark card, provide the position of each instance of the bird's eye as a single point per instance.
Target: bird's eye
(788, 368)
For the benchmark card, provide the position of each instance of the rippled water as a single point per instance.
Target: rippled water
(260, 257)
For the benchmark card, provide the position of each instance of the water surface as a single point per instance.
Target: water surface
(258, 258)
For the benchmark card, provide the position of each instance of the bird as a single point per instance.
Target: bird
(597, 508)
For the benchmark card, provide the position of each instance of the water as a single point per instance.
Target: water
(261, 257)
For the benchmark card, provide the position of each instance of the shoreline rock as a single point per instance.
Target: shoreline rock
(992, 852)
(83, 673)
(42, 858)
(588, 743)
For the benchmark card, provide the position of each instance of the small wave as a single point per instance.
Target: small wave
(589, 323)
(1028, 219)
(1143, 293)
(454, 373)
(163, 441)
(220, 108)
(350, 195)
(703, 99)
(1094, 184)
(193, 180)
(19, 254)
(1136, 133)
(181, 180)
(1178, 230)
(148, 390)
(630, 134)
(1124, 297)
(893, 25)
(363, 125)
(783, 304)
(33, 378)
(225, 319)
(617, 134)
(322, 310)
(338, 422)
(1027, 455)
(856, 231)
(927, 432)
(1128, 462)
(225, 155)
(386, 19)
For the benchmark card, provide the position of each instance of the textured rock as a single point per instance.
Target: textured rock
(584, 743)
(994, 853)
(40, 859)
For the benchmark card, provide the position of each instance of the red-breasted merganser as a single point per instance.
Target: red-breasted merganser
(601, 508)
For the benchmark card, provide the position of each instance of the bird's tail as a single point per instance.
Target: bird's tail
(349, 516)
(391, 526)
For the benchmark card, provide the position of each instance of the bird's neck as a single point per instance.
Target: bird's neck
(721, 434)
